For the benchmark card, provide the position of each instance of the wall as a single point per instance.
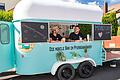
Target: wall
(9, 4)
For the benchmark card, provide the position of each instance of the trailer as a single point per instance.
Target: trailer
(24, 41)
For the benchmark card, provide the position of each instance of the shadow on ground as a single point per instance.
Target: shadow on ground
(101, 73)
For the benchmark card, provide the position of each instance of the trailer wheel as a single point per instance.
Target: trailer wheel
(85, 69)
(66, 72)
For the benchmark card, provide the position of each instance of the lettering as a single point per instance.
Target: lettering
(62, 48)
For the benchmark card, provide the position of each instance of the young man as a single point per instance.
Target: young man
(76, 36)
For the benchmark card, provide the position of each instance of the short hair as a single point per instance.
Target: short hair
(71, 26)
(54, 28)
(77, 26)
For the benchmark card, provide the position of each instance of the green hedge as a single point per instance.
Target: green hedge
(6, 15)
(85, 29)
(110, 18)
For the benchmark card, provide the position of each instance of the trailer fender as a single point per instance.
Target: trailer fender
(71, 61)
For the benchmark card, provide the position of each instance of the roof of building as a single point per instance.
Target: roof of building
(9, 4)
(115, 7)
(57, 10)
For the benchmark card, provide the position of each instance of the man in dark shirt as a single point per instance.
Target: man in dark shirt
(76, 35)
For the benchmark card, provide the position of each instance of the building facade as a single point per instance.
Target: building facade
(116, 7)
(8, 4)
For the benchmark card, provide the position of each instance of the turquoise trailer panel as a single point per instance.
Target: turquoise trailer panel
(44, 55)
(6, 46)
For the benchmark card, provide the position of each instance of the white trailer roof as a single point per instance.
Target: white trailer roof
(57, 10)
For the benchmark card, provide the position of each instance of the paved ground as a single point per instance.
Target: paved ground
(101, 73)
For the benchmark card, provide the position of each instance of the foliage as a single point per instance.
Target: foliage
(6, 15)
(60, 56)
(86, 29)
(74, 54)
(85, 50)
(110, 18)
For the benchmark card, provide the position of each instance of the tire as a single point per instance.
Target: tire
(85, 69)
(113, 63)
(65, 72)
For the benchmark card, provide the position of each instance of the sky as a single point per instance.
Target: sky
(98, 2)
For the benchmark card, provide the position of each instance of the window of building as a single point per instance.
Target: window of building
(2, 6)
(4, 34)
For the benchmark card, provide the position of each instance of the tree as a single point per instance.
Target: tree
(110, 18)
(6, 15)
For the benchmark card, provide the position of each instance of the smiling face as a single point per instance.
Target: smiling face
(55, 29)
(76, 30)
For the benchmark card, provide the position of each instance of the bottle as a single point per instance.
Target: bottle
(80, 38)
(88, 37)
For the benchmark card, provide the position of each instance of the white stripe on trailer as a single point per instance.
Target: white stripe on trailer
(8, 77)
(11, 70)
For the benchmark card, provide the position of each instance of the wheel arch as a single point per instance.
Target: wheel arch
(73, 61)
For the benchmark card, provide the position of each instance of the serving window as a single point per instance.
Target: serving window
(33, 32)
(66, 28)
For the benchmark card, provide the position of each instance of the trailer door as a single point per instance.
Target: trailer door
(6, 46)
